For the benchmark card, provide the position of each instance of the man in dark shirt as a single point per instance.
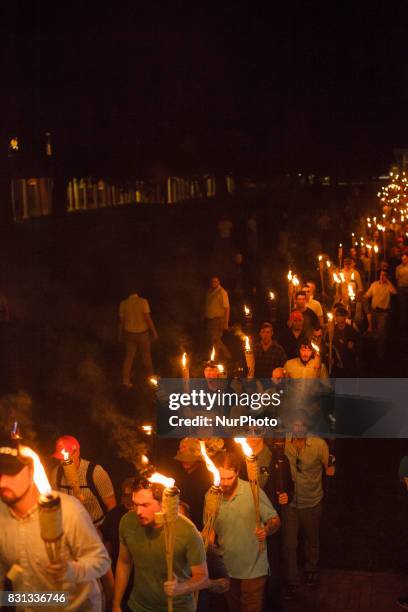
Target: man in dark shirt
(268, 353)
(194, 480)
(293, 334)
(344, 342)
(310, 319)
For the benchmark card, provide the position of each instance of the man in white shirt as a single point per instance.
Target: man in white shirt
(378, 318)
(309, 289)
(135, 323)
(84, 558)
(217, 310)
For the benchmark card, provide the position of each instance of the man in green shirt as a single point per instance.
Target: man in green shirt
(142, 545)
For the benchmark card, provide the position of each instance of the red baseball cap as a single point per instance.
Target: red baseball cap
(67, 443)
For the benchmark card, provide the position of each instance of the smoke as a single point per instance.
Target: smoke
(17, 407)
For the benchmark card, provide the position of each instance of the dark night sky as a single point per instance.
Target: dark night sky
(268, 86)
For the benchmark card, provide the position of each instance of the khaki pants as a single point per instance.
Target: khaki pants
(308, 520)
(136, 343)
(215, 330)
(246, 595)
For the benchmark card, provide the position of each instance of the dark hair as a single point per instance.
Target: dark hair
(142, 483)
(299, 415)
(300, 293)
(228, 460)
(186, 509)
(265, 325)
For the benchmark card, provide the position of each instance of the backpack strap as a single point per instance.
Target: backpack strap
(91, 485)
(59, 477)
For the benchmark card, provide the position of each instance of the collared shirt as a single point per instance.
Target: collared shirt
(264, 458)
(401, 274)
(297, 369)
(380, 294)
(216, 303)
(307, 475)
(131, 313)
(21, 544)
(235, 530)
(102, 482)
(267, 361)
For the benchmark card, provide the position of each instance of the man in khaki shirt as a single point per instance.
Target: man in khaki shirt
(378, 318)
(401, 274)
(216, 314)
(135, 323)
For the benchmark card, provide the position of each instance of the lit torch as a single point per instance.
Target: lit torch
(185, 370)
(212, 356)
(71, 475)
(330, 331)
(340, 254)
(249, 357)
(49, 508)
(253, 478)
(321, 270)
(168, 517)
(212, 499)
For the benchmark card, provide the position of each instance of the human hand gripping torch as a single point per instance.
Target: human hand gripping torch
(317, 357)
(71, 475)
(253, 478)
(49, 508)
(168, 517)
(249, 358)
(185, 370)
(213, 498)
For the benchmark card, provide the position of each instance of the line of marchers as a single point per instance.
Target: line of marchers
(222, 421)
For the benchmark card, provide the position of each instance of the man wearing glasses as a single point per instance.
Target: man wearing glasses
(308, 456)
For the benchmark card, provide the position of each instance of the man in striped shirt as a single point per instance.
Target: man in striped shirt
(97, 493)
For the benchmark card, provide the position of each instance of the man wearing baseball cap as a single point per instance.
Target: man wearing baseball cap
(23, 557)
(97, 491)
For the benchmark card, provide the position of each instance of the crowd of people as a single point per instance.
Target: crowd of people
(113, 556)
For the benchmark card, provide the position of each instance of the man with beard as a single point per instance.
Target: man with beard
(310, 319)
(308, 457)
(239, 538)
(293, 334)
(83, 557)
(142, 545)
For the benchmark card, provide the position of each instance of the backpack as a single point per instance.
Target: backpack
(90, 484)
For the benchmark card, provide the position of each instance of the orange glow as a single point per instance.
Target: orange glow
(271, 295)
(144, 460)
(245, 446)
(147, 429)
(351, 293)
(220, 368)
(247, 311)
(295, 280)
(328, 263)
(247, 344)
(315, 348)
(157, 478)
(40, 477)
(336, 278)
(65, 454)
(212, 357)
(210, 465)
(184, 360)
(330, 316)
(320, 257)
(153, 381)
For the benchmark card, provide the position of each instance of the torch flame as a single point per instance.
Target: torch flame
(220, 368)
(330, 316)
(295, 280)
(153, 381)
(315, 347)
(65, 454)
(320, 257)
(184, 360)
(336, 278)
(210, 465)
(290, 275)
(147, 429)
(248, 452)
(40, 477)
(328, 263)
(271, 295)
(375, 248)
(351, 291)
(247, 311)
(157, 478)
(342, 277)
(247, 344)
(144, 459)
(352, 276)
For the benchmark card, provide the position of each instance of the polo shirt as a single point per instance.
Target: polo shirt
(380, 294)
(216, 303)
(307, 477)
(131, 313)
(235, 529)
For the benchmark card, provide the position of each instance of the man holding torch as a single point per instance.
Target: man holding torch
(239, 538)
(143, 546)
(24, 558)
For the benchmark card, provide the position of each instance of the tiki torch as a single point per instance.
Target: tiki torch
(49, 508)
(321, 271)
(330, 331)
(247, 318)
(71, 475)
(168, 517)
(290, 290)
(213, 498)
(340, 254)
(185, 371)
(253, 478)
(249, 357)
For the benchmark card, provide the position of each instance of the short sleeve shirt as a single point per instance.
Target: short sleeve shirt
(216, 303)
(307, 475)
(146, 546)
(131, 313)
(235, 530)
